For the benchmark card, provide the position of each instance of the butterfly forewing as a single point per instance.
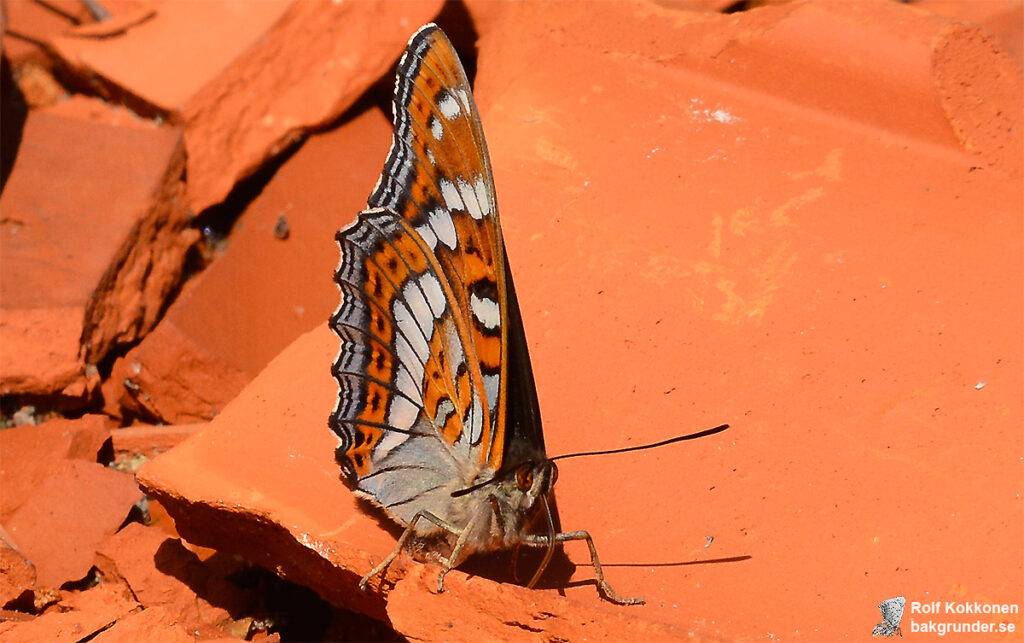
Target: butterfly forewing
(438, 178)
(423, 319)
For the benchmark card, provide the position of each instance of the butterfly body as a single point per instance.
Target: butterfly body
(437, 415)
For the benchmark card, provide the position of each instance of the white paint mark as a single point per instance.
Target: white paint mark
(486, 311)
(723, 116)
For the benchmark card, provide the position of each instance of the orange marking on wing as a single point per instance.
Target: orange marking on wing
(434, 380)
(379, 364)
(359, 453)
(380, 325)
(392, 265)
(488, 349)
(376, 403)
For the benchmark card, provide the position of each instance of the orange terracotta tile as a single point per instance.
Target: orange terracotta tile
(31, 454)
(197, 360)
(28, 23)
(246, 79)
(60, 526)
(163, 574)
(17, 575)
(93, 242)
(82, 614)
(150, 441)
(800, 220)
(153, 624)
(1002, 18)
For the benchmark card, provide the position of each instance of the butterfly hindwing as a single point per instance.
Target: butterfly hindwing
(402, 369)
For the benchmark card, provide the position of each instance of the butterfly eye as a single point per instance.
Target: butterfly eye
(524, 477)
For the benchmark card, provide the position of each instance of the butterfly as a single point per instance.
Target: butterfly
(892, 614)
(437, 416)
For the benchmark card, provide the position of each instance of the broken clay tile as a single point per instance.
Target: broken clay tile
(672, 220)
(768, 226)
(27, 23)
(150, 441)
(247, 79)
(116, 25)
(268, 489)
(474, 609)
(166, 60)
(171, 377)
(41, 347)
(78, 506)
(93, 240)
(82, 614)
(1003, 18)
(17, 575)
(287, 512)
(152, 625)
(29, 454)
(161, 572)
(197, 359)
(315, 62)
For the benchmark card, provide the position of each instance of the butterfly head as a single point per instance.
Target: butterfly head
(534, 479)
(524, 495)
(521, 492)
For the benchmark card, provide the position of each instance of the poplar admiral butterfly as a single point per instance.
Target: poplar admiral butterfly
(437, 416)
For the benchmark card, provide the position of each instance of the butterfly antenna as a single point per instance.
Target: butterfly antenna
(678, 438)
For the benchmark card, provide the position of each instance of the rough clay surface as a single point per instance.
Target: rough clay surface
(247, 78)
(197, 361)
(803, 219)
(104, 280)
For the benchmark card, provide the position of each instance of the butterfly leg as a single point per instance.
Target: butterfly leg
(538, 540)
(382, 567)
(457, 555)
